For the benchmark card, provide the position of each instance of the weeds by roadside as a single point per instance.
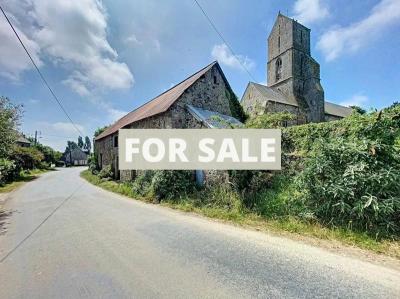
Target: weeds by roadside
(229, 209)
(25, 176)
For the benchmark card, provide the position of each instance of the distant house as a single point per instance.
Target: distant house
(200, 101)
(76, 157)
(22, 141)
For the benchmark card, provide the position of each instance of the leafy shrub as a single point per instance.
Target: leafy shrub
(172, 184)
(92, 163)
(270, 121)
(10, 115)
(142, 184)
(8, 171)
(106, 172)
(248, 183)
(27, 157)
(235, 107)
(354, 184)
(221, 196)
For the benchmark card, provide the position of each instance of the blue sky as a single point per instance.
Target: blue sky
(104, 58)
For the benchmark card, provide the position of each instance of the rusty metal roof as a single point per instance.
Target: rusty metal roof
(157, 105)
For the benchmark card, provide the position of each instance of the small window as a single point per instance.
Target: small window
(285, 123)
(301, 37)
(279, 43)
(278, 69)
(115, 141)
(215, 80)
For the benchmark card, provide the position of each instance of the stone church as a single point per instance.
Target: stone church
(293, 78)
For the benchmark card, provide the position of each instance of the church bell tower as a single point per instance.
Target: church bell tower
(292, 70)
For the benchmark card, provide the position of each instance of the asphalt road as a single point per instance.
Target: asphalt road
(64, 238)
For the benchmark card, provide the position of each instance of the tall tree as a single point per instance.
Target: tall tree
(88, 144)
(80, 142)
(71, 145)
(10, 115)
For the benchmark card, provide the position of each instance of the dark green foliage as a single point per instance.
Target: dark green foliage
(358, 109)
(354, 184)
(80, 142)
(142, 184)
(8, 171)
(248, 183)
(51, 156)
(99, 131)
(106, 173)
(88, 145)
(93, 164)
(27, 157)
(343, 173)
(235, 107)
(10, 115)
(270, 121)
(172, 184)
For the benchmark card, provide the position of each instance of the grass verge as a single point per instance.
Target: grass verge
(26, 176)
(286, 225)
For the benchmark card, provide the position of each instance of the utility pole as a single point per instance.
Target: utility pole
(36, 137)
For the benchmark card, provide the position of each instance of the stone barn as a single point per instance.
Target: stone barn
(199, 101)
(293, 79)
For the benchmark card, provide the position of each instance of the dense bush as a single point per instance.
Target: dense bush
(10, 115)
(270, 121)
(106, 172)
(93, 164)
(8, 171)
(142, 184)
(354, 184)
(50, 156)
(343, 173)
(172, 184)
(27, 157)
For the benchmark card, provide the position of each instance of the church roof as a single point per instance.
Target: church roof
(272, 95)
(337, 110)
(159, 104)
(212, 119)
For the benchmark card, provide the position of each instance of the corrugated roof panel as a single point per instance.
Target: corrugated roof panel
(214, 120)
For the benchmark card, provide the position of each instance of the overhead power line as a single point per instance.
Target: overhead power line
(224, 40)
(40, 74)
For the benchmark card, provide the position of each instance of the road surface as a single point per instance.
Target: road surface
(64, 238)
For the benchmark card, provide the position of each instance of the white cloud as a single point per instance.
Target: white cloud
(13, 59)
(353, 37)
(224, 56)
(356, 100)
(73, 34)
(132, 39)
(64, 128)
(115, 114)
(310, 11)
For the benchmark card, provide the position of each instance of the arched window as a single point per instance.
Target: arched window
(278, 69)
